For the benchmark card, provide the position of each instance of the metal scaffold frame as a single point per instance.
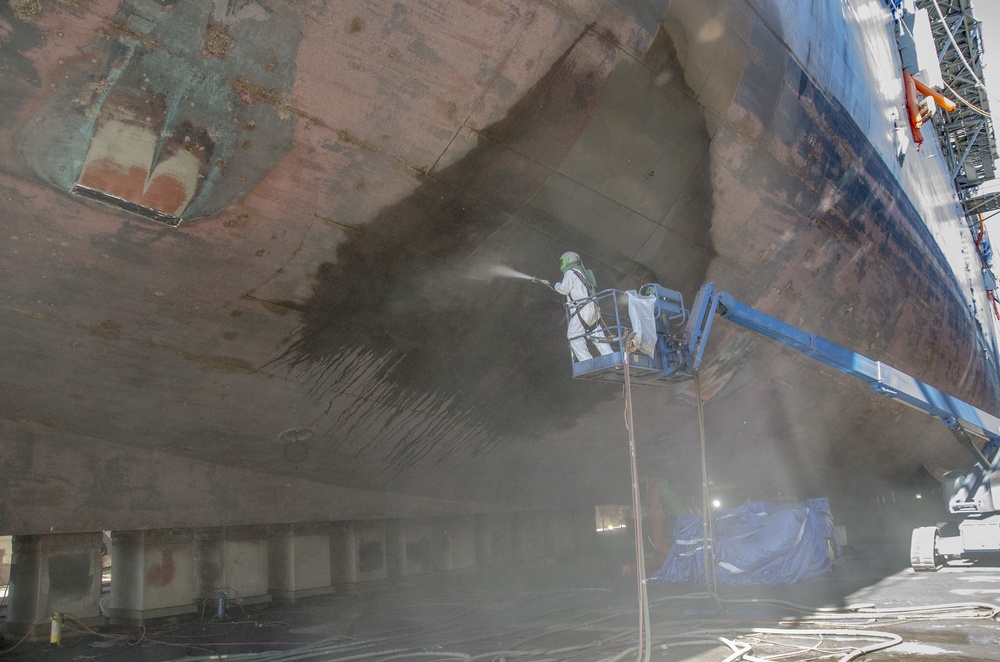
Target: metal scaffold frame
(968, 130)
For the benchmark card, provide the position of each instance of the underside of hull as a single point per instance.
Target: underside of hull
(248, 254)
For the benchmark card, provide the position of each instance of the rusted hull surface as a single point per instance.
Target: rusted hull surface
(344, 175)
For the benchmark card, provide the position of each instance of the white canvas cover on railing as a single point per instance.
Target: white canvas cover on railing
(641, 314)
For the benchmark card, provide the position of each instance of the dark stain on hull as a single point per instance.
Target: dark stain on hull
(436, 365)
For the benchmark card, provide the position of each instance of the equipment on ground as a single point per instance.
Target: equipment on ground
(663, 342)
(757, 542)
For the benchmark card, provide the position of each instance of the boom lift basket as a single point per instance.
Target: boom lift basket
(613, 329)
(680, 336)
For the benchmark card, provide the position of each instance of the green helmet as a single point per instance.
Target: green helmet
(571, 260)
(568, 259)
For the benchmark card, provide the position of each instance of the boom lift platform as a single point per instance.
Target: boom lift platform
(675, 353)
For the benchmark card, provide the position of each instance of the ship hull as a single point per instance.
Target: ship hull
(320, 337)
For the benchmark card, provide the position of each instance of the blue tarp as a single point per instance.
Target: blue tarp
(758, 543)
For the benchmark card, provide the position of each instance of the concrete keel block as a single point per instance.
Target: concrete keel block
(233, 560)
(409, 547)
(494, 539)
(561, 538)
(455, 543)
(299, 560)
(152, 575)
(358, 551)
(58, 572)
(530, 534)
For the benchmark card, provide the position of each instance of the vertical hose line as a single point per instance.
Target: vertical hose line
(640, 556)
(708, 542)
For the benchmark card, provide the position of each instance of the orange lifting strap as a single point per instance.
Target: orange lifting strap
(913, 86)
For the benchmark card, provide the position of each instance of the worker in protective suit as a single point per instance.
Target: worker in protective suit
(577, 286)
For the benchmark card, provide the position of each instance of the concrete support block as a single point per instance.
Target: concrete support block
(420, 546)
(6, 547)
(529, 534)
(358, 551)
(299, 560)
(53, 573)
(455, 543)
(370, 550)
(232, 560)
(561, 532)
(152, 575)
(586, 529)
(343, 553)
(494, 539)
(409, 547)
(395, 548)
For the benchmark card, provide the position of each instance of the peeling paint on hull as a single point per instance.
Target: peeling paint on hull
(150, 111)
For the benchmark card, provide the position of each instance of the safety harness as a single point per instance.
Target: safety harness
(590, 283)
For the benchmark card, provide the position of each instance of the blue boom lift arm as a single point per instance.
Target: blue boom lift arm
(676, 352)
(681, 336)
(959, 417)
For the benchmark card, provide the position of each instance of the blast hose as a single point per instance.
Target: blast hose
(543, 282)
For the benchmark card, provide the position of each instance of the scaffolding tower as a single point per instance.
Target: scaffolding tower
(968, 130)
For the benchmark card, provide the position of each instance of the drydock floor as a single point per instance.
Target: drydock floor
(584, 613)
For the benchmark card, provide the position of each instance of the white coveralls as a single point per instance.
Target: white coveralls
(580, 317)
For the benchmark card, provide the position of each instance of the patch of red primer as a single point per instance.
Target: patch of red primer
(163, 573)
(165, 193)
